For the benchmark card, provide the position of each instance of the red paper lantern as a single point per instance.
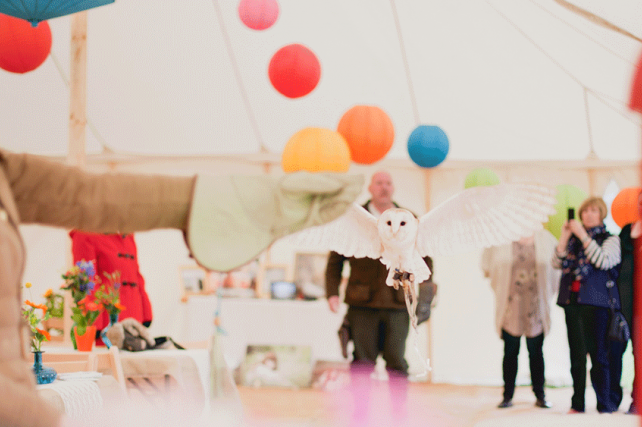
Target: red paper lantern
(316, 150)
(624, 208)
(23, 48)
(369, 133)
(294, 71)
(635, 103)
(258, 14)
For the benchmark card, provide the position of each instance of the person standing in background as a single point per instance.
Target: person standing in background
(629, 241)
(377, 314)
(589, 257)
(524, 283)
(111, 253)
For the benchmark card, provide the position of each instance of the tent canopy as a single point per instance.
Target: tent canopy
(505, 79)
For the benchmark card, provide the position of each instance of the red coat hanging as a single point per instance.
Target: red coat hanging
(115, 252)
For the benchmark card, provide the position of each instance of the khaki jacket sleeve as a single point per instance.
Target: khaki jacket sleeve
(54, 194)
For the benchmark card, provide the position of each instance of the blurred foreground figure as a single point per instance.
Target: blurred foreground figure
(242, 214)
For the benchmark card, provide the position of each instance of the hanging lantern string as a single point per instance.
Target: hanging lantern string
(90, 124)
(591, 153)
(239, 80)
(404, 57)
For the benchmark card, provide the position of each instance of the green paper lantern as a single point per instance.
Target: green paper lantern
(568, 196)
(481, 177)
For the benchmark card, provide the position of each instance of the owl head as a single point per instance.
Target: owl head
(397, 227)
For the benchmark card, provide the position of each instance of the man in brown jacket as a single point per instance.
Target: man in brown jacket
(36, 190)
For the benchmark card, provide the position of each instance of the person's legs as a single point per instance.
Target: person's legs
(364, 324)
(577, 351)
(509, 365)
(596, 321)
(396, 326)
(616, 352)
(536, 359)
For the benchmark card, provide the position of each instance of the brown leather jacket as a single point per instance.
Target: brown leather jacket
(367, 282)
(36, 190)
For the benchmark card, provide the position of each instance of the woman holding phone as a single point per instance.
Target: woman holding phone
(589, 257)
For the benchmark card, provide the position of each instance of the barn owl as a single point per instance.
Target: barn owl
(475, 218)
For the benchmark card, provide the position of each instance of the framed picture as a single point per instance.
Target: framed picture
(277, 366)
(272, 273)
(309, 273)
(193, 280)
(241, 282)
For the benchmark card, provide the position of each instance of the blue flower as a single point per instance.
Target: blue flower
(91, 285)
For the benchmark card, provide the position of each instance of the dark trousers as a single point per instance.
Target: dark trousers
(616, 352)
(586, 328)
(536, 359)
(376, 331)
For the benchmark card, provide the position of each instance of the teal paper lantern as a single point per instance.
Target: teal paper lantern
(481, 177)
(568, 196)
(428, 146)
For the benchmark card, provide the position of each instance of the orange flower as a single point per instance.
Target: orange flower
(48, 293)
(40, 306)
(119, 306)
(44, 333)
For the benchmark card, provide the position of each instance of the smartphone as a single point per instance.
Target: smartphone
(571, 213)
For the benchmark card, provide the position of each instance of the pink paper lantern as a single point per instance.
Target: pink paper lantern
(258, 14)
(294, 71)
(23, 48)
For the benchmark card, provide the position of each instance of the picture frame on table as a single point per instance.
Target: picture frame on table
(288, 366)
(271, 275)
(193, 280)
(309, 273)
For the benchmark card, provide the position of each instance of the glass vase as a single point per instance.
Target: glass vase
(113, 319)
(44, 374)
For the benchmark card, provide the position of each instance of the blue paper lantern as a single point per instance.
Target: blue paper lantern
(35, 11)
(428, 146)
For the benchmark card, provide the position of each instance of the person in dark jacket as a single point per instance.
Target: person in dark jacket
(629, 241)
(377, 313)
(589, 257)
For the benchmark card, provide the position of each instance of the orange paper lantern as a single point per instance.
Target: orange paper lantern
(624, 208)
(316, 150)
(23, 48)
(369, 133)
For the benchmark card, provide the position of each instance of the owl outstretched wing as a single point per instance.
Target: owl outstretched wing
(352, 234)
(480, 217)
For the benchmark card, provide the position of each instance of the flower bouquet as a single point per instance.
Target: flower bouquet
(81, 280)
(108, 295)
(43, 374)
(33, 320)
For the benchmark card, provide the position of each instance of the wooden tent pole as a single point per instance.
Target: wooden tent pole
(76, 154)
(427, 196)
(78, 90)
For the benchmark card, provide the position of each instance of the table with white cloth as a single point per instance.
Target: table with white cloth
(155, 377)
(82, 399)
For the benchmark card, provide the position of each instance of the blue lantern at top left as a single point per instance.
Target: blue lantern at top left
(428, 146)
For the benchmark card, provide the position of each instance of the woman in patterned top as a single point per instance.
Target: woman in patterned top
(524, 283)
(589, 257)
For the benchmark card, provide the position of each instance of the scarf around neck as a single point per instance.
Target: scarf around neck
(576, 261)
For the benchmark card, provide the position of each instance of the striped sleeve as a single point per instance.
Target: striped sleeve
(557, 259)
(606, 256)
